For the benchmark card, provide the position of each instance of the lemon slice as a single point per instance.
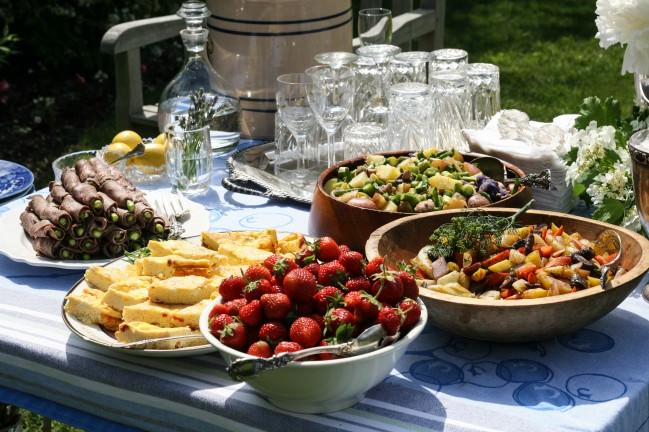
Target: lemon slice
(128, 137)
(113, 151)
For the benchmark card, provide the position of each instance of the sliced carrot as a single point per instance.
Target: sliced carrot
(558, 253)
(507, 292)
(544, 232)
(546, 251)
(493, 259)
(523, 271)
(559, 231)
(531, 278)
(559, 261)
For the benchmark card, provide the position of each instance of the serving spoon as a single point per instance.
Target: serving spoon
(608, 242)
(371, 338)
(495, 168)
(138, 150)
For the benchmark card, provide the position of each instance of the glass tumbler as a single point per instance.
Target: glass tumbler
(375, 26)
(365, 138)
(372, 75)
(484, 87)
(189, 159)
(447, 59)
(450, 109)
(409, 119)
(411, 66)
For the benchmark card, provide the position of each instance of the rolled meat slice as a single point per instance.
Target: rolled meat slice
(97, 227)
(126, 218)
(114, 234)
(79, 212)
(110, 208)
(157, 226)
(87, 194)
(112, 250)
(143, 213)
(122, 196)
(69, 178)
(134, 233)
(78, 230)
(57, 192)
(49, 211)
(88, 244)
(50, 248)
(35, 227)
(85, 171)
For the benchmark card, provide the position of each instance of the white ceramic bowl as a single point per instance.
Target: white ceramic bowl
(321, 386)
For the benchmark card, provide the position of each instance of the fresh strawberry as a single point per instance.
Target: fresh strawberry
(339, 320)
(305, 331)
(358, 283)
(260, 349)
(326, 249)
(319, 319)
(219, 321)
(274, 289)
(332, 273)
(276, 306)
(409, 283)
(374, 266)
(325, 298)
(256, 288)
(219, 309)
(305, 257)
(390, 319)
(234, 305)
(367, 308)
(344, 248)
(300, 285)
(232, 288)
(353, 262)
(387, 287)
(257, 272)
(286, 346)
(411, 313)
(279, 266)
(313, 267)
(273, 332)
(251, 313)
(352, 299)
(234, 335)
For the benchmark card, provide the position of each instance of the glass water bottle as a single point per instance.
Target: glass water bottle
(197, 73)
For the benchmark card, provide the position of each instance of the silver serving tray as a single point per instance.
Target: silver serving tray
(251, 171)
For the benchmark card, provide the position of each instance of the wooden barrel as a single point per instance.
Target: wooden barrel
(253, 41)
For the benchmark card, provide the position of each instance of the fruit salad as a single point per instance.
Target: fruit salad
(326, 294)
(425, 181)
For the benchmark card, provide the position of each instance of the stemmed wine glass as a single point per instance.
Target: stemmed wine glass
(294, 110)
(330, 93)
(375, 26)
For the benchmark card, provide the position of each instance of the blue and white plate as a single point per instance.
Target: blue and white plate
(14, 179)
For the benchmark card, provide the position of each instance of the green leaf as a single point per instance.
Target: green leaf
(578, 189)
(604, 113)
(571, 156)
(611, 211)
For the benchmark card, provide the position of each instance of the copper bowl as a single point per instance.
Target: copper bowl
(353, 225)
(514, 320)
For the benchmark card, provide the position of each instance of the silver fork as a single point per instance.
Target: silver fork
(176, 229)
(180, 212)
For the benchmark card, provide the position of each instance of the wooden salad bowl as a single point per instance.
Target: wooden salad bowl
(523, 320)
(353, 225)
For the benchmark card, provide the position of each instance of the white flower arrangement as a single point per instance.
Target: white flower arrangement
(599, 164)
(625, 22)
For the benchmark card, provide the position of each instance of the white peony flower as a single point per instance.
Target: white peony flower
(625, 22)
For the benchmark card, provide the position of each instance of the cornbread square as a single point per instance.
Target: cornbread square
(291, 243)
(165, 315)
(181, 289)
(137, 331)
(172, 265)
(127, 292)
(86, 305)
(243, 255)
(184, 249)
(265, 240)
(103, 277)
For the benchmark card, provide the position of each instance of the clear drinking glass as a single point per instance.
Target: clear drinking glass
(373, 81)
(365, 138)
(411, 66)
(330, 93)
(447, 59)
(409, 120)
(451, 107)
(189, 159)
(335, 59)
(296, 113)
(375, 26)
(484, 87)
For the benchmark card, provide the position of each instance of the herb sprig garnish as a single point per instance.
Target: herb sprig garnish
(136, 254)
(477, 232)
(201, 111)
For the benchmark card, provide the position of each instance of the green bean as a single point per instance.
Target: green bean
(79, 231)
(130, 205)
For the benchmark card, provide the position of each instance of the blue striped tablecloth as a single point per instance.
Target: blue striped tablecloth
(593, 380)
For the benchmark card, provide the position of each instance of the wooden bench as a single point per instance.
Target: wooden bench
(422, 27)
